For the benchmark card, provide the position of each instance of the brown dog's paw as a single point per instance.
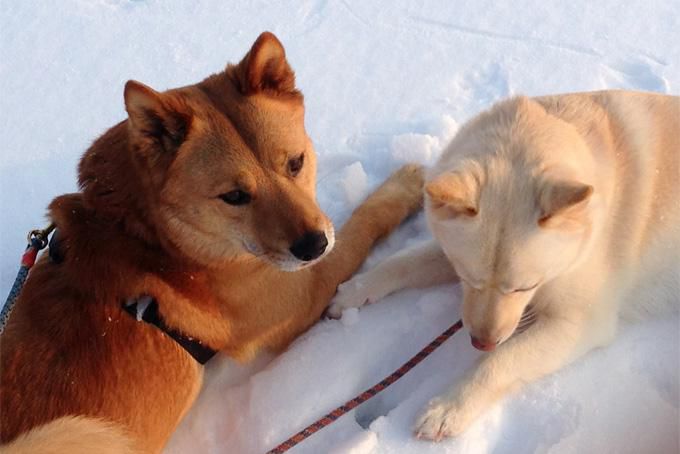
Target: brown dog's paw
(406, 184)
(410, 177)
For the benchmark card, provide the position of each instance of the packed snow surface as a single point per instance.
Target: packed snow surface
(385, 82)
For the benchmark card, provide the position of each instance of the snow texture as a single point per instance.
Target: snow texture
(385, 82)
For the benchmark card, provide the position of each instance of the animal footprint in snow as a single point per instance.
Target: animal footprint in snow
(634, 73)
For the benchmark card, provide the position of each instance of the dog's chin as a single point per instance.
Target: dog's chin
(291, 264)
(519, 329)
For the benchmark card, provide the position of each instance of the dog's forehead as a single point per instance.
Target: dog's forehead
(491, 248)
(257, 140)
(272, 133)
(267, 124)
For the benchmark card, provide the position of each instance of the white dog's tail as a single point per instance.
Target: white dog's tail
(73, 435)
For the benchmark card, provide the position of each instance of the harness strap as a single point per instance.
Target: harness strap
(146, 309)
(54, 248)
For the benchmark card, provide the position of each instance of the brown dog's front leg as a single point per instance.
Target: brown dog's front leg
(398, 197)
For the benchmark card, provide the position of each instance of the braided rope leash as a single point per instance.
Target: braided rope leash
(369, 393)
(37, 240)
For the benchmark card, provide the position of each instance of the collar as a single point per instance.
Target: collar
(145, 309)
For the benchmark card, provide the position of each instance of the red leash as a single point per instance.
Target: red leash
(369, 393)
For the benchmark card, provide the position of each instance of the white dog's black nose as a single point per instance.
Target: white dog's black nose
(309, 246)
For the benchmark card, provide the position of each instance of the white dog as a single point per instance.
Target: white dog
(558, 215)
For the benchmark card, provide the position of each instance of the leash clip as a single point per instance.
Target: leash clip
(40, 235)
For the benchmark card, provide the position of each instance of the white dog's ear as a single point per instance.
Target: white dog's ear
(456, 192)
(562, 198)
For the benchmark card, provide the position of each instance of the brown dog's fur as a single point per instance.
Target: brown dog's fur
(150, 221)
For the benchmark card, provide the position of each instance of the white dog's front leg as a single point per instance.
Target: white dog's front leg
(544, 348)
(422, 265)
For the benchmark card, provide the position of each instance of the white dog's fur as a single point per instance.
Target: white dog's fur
(559, 213)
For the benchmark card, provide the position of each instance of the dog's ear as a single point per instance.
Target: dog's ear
(156, 117)
(265, 68)
(559, 199)
(456, 192)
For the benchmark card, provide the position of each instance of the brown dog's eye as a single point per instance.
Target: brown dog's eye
(295, 165)
(236, 197)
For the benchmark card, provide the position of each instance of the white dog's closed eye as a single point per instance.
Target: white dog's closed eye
(518, 289)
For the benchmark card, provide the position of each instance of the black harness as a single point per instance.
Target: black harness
(146, 309)
(149, 314)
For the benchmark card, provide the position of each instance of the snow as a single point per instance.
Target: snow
(354, 182)
(385, 82)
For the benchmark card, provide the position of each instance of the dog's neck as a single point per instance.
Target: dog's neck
(113, 188)
(113, 265)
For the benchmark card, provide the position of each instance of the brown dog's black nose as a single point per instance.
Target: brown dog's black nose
(309, 246)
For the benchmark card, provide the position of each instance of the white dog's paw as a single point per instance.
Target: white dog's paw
(353, 293)
(442, 418)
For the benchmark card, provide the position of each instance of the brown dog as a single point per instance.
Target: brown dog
(204, 200)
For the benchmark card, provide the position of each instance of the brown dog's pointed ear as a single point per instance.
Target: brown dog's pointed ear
(561, 198)
(153, 117)
(455, 192)
(265, 68)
